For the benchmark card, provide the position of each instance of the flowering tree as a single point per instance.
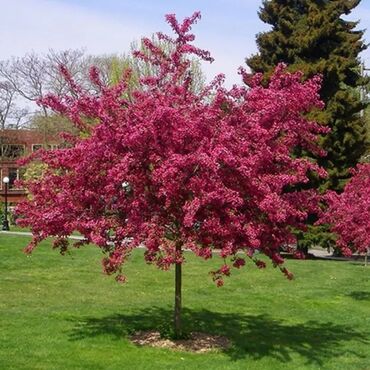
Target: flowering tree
(169, 169)
(348, 213)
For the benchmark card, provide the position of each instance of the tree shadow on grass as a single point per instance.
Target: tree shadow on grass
(252, 336)
(360, 296)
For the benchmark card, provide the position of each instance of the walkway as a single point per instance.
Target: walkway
(25, 233)
(317, 253)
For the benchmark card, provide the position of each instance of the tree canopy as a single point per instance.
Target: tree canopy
(168, 167)
(348, 213)
(314, 37)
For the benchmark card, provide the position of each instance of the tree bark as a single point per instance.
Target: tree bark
(177, 313)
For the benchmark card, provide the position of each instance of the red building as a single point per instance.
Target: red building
(13, 145)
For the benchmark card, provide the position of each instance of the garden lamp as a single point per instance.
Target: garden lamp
(5, 220)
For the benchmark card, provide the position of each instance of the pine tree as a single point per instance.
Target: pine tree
(312, 36)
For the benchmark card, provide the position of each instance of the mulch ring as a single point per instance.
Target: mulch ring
(197, 342)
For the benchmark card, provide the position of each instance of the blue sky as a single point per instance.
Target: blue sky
(227, 28)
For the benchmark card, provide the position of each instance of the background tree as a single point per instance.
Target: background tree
(366, 113)
(24, 80)
(348, 213)
(312, 36)
(6, 102)
(141, 68)
(52, 126)
(11, 115)
(173, 168)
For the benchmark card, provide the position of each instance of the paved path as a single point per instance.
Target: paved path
(318, 253)
(25, 233)
(324, 254)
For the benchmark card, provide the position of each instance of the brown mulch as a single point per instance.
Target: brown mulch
(197, 342)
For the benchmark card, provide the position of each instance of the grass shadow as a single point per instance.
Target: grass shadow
(360, 296)
(255, 336)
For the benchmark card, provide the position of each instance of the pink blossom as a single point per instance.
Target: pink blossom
(260, 264)
(209, 169)
(120, 278)
(219, 283)
(239, 262)
(348, 213)
(225, 270)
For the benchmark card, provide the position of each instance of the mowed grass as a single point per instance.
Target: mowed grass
(61, 312)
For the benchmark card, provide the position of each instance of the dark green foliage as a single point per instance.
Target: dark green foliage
(312, 36)
(317, 235)
(366, 156)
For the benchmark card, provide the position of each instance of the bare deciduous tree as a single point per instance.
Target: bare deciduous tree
(11, 114)
(6, 102)
(23, 80)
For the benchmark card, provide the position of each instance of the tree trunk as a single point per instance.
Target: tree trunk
(177, 313)
(366, 254)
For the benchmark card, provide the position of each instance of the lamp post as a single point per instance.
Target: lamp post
(5, 221)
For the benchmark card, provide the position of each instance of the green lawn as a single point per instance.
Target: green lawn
(63, 313)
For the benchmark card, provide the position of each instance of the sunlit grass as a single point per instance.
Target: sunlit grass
(63, 313)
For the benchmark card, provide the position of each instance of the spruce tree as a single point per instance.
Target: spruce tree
(312, 36)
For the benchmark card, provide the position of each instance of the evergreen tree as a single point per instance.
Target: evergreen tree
(312, 36)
